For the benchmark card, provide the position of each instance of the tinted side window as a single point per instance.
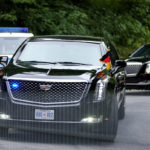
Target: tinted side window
(143, 51)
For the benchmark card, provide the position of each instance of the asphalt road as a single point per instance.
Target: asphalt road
(133, 132)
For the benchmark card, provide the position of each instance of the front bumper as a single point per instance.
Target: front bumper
(138, 82)
(91, 130)
(140, 85)
(68, 119)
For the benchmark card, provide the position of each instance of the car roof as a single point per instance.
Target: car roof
(68, 38)
(148, 44)
(8, 34)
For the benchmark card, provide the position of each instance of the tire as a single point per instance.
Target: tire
(121, 112)
(112, 124)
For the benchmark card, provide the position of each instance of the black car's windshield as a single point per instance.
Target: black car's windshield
(61, 52)
(143, 51)
(8, 45)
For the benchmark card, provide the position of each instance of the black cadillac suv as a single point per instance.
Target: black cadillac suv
(69, 85)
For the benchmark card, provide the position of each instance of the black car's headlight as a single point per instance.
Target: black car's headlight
(147, 69)
(100, 90)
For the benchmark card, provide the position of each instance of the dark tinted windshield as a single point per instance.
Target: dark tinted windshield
(54, 51)
(143, 51)
(8, 45)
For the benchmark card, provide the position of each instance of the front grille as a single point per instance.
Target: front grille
(133, 68)
(59, 92)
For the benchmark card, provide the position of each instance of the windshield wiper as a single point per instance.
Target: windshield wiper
(45, 62)
(70, 63)
(37, 62)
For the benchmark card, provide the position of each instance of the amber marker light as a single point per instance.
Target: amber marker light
(1, 73)
(106, 119)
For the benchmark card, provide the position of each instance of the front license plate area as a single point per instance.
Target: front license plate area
(44, 114)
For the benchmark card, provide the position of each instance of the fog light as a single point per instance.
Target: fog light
(4, 116)
(91, 120)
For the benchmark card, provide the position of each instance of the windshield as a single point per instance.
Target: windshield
(8, 45)
(143, 51)
(61, 52)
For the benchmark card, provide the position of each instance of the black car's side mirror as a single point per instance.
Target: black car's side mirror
(3, 61)
(120, 63)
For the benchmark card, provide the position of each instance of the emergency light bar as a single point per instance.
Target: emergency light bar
(14, 29)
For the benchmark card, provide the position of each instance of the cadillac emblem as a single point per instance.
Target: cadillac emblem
(45, 87)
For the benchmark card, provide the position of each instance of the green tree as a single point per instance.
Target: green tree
(125, 23)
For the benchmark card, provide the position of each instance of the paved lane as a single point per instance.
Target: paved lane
(133, 132)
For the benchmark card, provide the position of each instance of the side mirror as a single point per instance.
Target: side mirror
(120, 64)
(3, 61)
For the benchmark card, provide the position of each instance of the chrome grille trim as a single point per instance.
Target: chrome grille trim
(31, 102)
(133, 68)
(45, 80)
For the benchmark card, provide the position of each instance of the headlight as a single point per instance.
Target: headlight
(147, 70)
(100, 90)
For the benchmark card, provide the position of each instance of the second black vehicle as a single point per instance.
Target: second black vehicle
(138, 69)
(64, 84)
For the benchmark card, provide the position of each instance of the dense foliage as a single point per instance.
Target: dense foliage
(126, 23)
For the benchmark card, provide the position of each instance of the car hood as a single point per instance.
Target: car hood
(138, 59)
(52, 72)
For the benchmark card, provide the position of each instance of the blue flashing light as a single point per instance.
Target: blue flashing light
(14, 29)
(15, 85)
